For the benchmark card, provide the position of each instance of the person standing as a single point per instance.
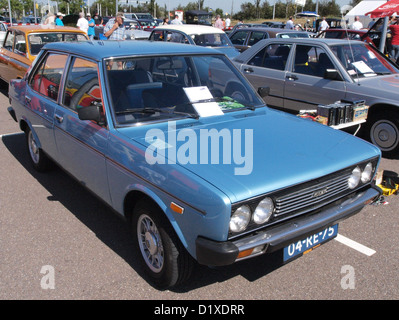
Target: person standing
(357, 25)
(176, 20)
(82, 23)
(323, 25)
(58, 20)
(115, 29)
(394, 28)
(289, 24)
(218, 23)
(98, 19)
(165, 22)
(49, 18)
(90, 31)
(228, 22)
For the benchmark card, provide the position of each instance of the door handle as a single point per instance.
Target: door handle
(291, 77)
(59, 118)
(248, 70)
(28, 99)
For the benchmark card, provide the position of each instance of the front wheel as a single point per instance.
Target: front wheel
(383, 129)
(163, 256)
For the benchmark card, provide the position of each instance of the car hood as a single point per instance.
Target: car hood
(284, 150)
(385, 87)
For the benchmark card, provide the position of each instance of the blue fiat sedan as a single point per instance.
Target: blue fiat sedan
(176, 141)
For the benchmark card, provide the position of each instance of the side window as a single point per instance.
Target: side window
(239, 37)
(274, 56)
(47, 77)
(20, 44)
(157, 35)
(312, 61)
(176, 37)
(9, 41)
(255, 37)
(82, 85)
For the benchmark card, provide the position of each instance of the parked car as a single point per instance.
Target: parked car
(193, 34)
(274, 24)
(303, 73)
(3, 32)
(22, 44)
(31, 19)
(128, 124)
(244, 38)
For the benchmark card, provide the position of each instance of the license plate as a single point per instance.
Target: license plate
(308, 244)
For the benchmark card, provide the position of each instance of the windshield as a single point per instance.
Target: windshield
(37, 41)
(169, 87)
(363, 60)
(212, 40)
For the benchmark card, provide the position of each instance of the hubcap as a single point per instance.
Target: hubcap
(150, 243)
(33, 149)
(385, 135)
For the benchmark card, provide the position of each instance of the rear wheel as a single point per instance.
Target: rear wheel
(383, 130)
(164, 258)
(38, 158)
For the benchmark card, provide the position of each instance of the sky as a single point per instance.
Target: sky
(225, 5)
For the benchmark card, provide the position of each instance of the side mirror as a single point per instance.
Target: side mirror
(332, 74)
(263, 91)
(93, 113)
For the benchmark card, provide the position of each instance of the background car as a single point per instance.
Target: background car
(244, 38)
(3, 32)
(124, 123)
(22, 44)
(199, 35)
(304, 73)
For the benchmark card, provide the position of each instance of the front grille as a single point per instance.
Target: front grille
(311, 196)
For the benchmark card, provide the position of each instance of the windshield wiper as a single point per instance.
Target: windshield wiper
(142, 110)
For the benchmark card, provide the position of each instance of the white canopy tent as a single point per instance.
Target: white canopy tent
(361, 9)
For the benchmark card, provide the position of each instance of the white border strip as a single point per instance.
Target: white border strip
(355, 245)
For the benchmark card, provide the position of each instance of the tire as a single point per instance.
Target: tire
(383, 131)
(38, 158)
(163, 257)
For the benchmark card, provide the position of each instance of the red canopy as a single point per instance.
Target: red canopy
(387, 9)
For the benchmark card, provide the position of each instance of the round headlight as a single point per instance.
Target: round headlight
(240, 219)
(367, 172)
(354, 178)
(263, 211)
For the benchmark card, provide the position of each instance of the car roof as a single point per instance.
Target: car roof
(41, 29)
(99, 50)
(323, 41)
(191, 28)
(269, 30)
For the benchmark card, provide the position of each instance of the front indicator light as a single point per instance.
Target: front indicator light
(240, 219)
(354, 178)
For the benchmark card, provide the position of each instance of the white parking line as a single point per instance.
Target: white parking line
(355, 245)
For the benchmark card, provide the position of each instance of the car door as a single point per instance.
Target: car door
(267, 68)
(18, 63)
(41, 97)
(5, 52)
(82, 144)
(305, 86)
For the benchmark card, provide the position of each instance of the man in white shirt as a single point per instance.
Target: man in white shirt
(357, 25)
(289, 24)
(323, 25)
(82, 23)
(176, 20)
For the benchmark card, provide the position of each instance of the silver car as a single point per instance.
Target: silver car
(303, 73)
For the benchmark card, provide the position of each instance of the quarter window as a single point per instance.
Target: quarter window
(9, 42)
(47, 78)
(82, 85)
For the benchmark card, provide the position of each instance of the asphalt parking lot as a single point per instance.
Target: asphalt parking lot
(57, 241)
